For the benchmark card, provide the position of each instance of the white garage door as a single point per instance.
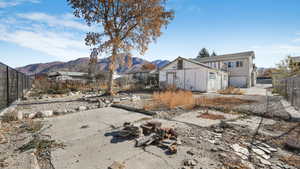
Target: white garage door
(238, 81)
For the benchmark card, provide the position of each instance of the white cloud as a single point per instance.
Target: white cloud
(67, 20)
(57, 44)
(11, 3)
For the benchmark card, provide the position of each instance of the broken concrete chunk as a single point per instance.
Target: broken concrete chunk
(191, 162)
(241, 151)
(81, 108)
(45, 113)
(263, 161)
(261, 153)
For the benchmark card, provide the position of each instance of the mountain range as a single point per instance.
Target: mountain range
(81, 65)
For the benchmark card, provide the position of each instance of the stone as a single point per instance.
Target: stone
(20, 115)
(47, 113)
(192, 162)
(116, 100)
(135, 98)
(81, 108)
(101, 104)
(190, 152)
(60, 112)
(32, 115)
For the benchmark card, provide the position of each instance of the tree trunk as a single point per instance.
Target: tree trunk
(112, 71)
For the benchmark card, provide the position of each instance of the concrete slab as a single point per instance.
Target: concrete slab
(93, 147)
(191, 118)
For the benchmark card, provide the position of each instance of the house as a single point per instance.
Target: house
(240, 66)
(191, 75)
(145, 76)
(68, 76)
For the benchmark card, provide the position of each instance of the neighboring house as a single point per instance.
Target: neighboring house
(68, 76)
(148, 77)
(191, 75)
(240, 66)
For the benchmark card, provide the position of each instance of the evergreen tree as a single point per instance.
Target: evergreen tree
(213, 54)
(203, 53)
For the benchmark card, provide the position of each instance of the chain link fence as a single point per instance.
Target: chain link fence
(290, 89)
(13, 85)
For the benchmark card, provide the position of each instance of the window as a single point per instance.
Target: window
(239, 64)
(180, 64)
(212, 75)
(230, 64)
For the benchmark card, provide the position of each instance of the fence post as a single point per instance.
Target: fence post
(293, 89)
(7, 86)
(17, 84)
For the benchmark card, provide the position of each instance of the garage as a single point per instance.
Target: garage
(238, 81)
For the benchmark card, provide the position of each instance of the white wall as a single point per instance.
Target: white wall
(192, 77)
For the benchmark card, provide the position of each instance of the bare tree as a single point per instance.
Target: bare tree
(124, 25)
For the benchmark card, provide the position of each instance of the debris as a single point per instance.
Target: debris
(151, 133)
(292, 144)
(261, 153)
(81, 108)
(117, 165)
(263, 161)
(84, 126)
(191, 162)
(46, 113)
(129, 130)
(240, 151)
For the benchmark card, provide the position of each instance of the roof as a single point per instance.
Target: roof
(192, 61)
(295, 59)
(228, 56)
(62, 73)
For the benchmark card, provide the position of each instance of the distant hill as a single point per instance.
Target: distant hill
(81, 65)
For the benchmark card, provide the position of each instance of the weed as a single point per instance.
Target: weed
(231, 91)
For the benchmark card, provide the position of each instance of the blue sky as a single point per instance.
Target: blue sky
(35, 31)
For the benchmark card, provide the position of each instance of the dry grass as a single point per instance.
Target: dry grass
(231, 91)
(211, 116)
(220, 101)
(172, 99)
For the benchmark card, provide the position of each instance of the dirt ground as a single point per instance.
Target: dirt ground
(215, 140)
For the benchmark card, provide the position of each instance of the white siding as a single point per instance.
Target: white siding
(192, 77)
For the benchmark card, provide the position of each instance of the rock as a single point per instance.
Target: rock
(116, 165)
(192, 162)
(135, 98)
(60, 112)
(46, 113)
(190, 152)
(101, 104)
(81, 108)
(178, 142)
(116, 100)
(32, 115)
(20, 115)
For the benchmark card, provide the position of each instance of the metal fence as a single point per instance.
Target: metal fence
(13, 85)
(290, 89)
